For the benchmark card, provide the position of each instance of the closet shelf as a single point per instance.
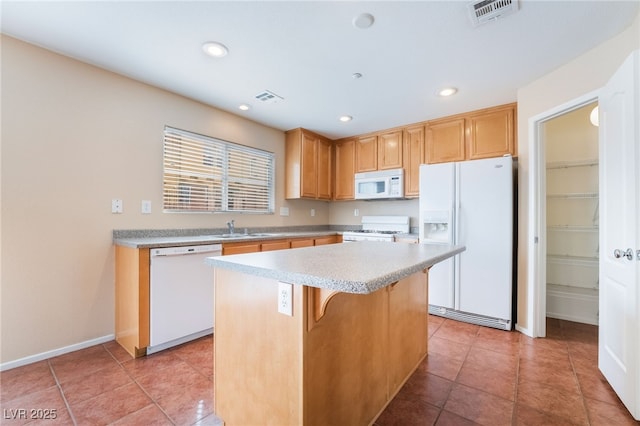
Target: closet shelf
(573, 228)
(572, 259)
(574, 195)
(568, 164)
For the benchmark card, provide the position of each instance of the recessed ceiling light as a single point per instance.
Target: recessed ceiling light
(448, 91)
(245, 107)
(363, 21)
(346, 118)
(215, 49)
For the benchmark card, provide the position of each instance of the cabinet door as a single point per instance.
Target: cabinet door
(445, 140)
(390, 150)
(323, 149)
(239, 248)
(275, 245)
(332, 239)
(413, 157)
(407, 307)
(345, 169)
(309, 170)
(367, 154)
(491, 133)
(302, 243)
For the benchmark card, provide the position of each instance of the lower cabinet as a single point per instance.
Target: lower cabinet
(133, 285)
(345, 355)
(132, 299)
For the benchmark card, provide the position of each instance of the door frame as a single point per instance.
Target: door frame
(537, 246)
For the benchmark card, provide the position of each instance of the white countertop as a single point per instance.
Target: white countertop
(360, 267)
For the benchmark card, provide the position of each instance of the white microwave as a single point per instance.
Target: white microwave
(382, 184)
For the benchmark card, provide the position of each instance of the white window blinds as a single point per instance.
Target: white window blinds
(204, 174)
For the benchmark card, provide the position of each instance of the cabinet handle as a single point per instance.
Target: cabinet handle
(617, 253)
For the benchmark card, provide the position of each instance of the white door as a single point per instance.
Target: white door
(619, 335)
(437, 194)
(485, 227)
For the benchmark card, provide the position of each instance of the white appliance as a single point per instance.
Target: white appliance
(470, 203)
(378, 228)
(381, 184)
(181, 295)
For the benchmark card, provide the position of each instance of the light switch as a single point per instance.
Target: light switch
(146, 207)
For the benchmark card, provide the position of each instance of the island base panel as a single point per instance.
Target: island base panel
(342, 367)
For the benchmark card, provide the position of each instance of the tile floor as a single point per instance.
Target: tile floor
(473, 375)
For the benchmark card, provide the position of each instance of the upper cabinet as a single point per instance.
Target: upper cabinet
(317, 168)
(445, 140)
(390, 150)
(307, 165)
(345, 150)
(413, 151)
(379, 152)
(491, 133)
(366, 154)
(479, 134)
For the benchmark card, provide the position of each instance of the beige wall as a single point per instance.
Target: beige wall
(74, 137)
(341, 212)
(585, 74)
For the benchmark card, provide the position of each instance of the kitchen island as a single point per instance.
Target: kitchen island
(319, 335)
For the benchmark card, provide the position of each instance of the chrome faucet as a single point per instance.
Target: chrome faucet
(231, 225)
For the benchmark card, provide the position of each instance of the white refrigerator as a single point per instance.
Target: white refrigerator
(471, 203)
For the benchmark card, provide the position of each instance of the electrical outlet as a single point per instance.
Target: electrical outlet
(116, 206)
(356, 212)
(146, 207)
(284, 211)
(285, 298)
(313, 212)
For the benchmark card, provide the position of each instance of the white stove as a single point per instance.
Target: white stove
(378, 228)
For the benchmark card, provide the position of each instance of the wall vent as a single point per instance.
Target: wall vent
(268, 97)
(484, 11)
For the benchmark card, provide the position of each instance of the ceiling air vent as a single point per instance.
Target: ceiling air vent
(489, 10)
(268, 97)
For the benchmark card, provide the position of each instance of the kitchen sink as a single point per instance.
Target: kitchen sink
(242, 235)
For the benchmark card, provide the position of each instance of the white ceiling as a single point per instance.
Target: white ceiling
(306, 52)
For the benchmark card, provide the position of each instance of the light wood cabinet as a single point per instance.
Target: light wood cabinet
(484, 133)
(346, 355)
(132, 299)
(414, 140)
(366, 154)
(407, 302)
(307, 242)
(240, 248)
(308, 167)
(345, 151)
(132, 285)
(390, 150)
(445, 140)
(491, 133)
(331, 239)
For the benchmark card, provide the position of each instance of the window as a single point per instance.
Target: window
(204, 174)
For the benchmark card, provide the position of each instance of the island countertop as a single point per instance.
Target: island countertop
(359, 267)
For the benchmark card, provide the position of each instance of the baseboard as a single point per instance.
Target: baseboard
(524, 330)
(55, 352)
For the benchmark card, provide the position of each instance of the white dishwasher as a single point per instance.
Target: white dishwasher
(181, 295)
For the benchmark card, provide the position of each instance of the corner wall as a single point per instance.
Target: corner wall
(73, 137)
(585, 74)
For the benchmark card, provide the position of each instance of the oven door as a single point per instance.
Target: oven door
(371, 188)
